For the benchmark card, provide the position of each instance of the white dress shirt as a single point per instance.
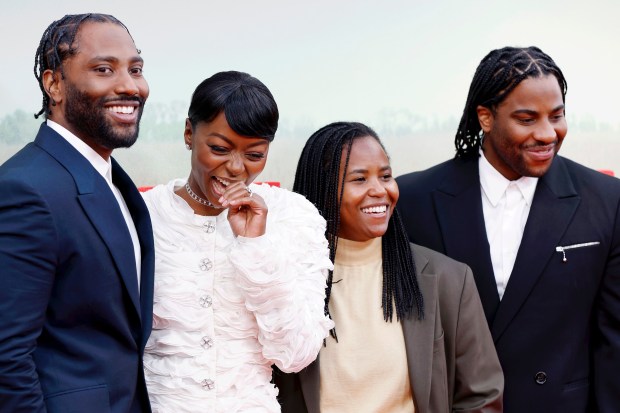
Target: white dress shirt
(506, 206)
(104, 168)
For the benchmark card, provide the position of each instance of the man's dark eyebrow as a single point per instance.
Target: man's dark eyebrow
(533, 112)
(113, 59)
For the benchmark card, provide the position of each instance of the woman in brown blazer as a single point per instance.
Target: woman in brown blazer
(435, 354)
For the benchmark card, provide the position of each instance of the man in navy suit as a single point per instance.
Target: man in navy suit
(76, 245)
(541, 233)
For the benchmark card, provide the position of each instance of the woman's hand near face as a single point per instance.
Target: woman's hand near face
(247, 211)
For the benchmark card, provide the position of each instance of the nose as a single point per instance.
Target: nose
(377, 189)
(235, 164)
(545, 132)
(127, 84)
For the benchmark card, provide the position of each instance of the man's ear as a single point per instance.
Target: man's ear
(485, 117)
(52, 86)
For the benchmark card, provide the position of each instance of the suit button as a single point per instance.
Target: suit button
(540, 377)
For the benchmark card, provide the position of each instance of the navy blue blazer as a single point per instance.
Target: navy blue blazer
(73, 324)
(557, 328)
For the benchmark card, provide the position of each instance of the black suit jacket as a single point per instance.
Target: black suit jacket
(73, 324)
(557, 328)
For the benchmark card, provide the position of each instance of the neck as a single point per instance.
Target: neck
(200, 205)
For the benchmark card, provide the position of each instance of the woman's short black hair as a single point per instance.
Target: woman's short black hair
(248, 105)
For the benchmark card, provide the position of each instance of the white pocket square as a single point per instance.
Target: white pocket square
(563, 249)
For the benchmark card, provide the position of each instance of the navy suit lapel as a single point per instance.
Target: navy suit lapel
(458, 203)
(105, 215)
(142, 221)
(99, 204)
(555, 202)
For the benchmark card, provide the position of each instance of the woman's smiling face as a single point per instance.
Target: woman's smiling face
(220, 157)
(370, 192)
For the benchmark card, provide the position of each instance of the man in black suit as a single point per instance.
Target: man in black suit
(541, 233)
(76, 243)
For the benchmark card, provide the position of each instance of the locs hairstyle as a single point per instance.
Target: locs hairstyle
(496, 76)
(248, 105)
(317, 178)
(57, 44)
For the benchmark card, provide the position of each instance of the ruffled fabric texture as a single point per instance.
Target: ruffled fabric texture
(227, 308)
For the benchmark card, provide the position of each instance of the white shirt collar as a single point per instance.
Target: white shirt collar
(101, 165)
(494, 184)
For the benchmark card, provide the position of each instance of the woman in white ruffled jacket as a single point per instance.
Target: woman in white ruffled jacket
(240, 271)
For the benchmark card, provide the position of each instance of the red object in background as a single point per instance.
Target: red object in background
(270, 183)
(607, 172)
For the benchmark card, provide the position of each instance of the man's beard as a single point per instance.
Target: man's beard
(88, 116)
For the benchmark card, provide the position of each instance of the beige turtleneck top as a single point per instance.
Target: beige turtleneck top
(366, 370)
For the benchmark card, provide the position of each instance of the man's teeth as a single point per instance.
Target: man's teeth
(122, 109)
(375, 209)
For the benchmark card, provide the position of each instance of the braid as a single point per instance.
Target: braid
(318, 179)
(400, 283)
(57, 44)
(497, 75)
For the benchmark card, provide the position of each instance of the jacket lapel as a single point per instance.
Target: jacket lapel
(458, 202)
(142, 221)
(419, 338)
(554, 204)
(99, 204)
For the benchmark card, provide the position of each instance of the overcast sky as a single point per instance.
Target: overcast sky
(339, 59)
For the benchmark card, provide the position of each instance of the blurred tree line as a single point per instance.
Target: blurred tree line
(164, 122)
(160, 122)
(18, 127)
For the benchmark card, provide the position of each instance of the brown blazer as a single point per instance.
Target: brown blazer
(452, 361)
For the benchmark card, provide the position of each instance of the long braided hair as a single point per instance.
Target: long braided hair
(496, 76)
(57, 44)
(317, 178)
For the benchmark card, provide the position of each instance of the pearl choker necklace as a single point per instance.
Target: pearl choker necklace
(196, 198)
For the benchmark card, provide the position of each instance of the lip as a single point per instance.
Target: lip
(541, 153)
(220, 184)
(115, 108)
(367, 210)
(116, 112)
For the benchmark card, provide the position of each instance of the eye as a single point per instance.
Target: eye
(219, 150)
(255, 156)
(103, 69)
(387, 176)
(526, 121)
(558, 116)
(136, 71)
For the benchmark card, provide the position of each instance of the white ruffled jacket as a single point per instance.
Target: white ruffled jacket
(227, 308)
